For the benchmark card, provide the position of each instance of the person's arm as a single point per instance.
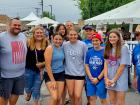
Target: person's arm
(135, 71)
(94, 80)
(124, 61)
(88, 72)
(48, 59)
(101, 75)
(135, 78)
(40, 65)
(119, 72)
(105, 69)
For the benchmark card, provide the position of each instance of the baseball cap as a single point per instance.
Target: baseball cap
(86, 27)
(98, 36)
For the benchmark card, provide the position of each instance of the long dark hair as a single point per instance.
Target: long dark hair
(57, 30)
(109, 46)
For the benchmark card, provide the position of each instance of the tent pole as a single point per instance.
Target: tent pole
(131, 30)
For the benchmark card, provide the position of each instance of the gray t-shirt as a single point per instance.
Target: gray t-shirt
(114, 63)
(12, 55)
(74, 58)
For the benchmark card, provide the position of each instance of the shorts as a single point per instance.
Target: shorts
(74, 77)
(96, 90)
(57, 76)
(1, 87)
(13, 86)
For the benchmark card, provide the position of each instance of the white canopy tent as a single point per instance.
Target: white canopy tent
(129, 13)
(43, 21)
(30, 17)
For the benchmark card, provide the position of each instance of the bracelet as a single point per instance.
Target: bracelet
(98, 79)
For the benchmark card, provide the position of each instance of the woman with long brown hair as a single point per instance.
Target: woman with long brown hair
(116, 68)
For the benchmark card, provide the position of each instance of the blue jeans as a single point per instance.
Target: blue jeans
(33, 83)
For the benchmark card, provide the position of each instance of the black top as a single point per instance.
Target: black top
(31, 59)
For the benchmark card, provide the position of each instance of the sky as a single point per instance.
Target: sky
(64, 10)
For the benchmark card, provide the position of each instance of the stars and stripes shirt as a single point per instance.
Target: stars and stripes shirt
(12, 55)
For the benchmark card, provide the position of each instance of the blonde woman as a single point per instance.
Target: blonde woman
(35, 62)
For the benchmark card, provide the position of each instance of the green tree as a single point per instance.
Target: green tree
(48, 14)
(90, 8)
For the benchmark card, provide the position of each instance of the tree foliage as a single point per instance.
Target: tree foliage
(90, 8)
(48, 14)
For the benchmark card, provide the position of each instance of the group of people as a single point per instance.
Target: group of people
(65, 63)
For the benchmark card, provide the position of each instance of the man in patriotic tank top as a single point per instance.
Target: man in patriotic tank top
(12, 62)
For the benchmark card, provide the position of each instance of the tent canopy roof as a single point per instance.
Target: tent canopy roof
(43, 21)
(129, 13)
(30, 17)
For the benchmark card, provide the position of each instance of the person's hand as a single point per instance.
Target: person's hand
(94, 80)
(134, 83)
(112, 83)
(108, 82)
(53, 85)
(39, 65)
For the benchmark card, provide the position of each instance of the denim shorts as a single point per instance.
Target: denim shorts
(12, 86)
(57, 76)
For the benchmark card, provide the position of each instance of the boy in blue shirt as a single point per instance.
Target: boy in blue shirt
(94, 65)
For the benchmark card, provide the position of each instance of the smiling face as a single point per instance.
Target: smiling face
(15, 27)
(113, 38)
(88, 32)
(62, 30)
(96, 43)
(57, 40)
(69, 25)
(73, 36)
(38, 34)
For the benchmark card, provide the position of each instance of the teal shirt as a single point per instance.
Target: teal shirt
(57, 60)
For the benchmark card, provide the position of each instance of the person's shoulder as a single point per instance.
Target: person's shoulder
(90, 50)
(22, 34)
(125, 49)
(102, 49)
(124, 46)
(137, 47)
(81, 42)
(3, 34)
(50, 47)
(66, 43)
